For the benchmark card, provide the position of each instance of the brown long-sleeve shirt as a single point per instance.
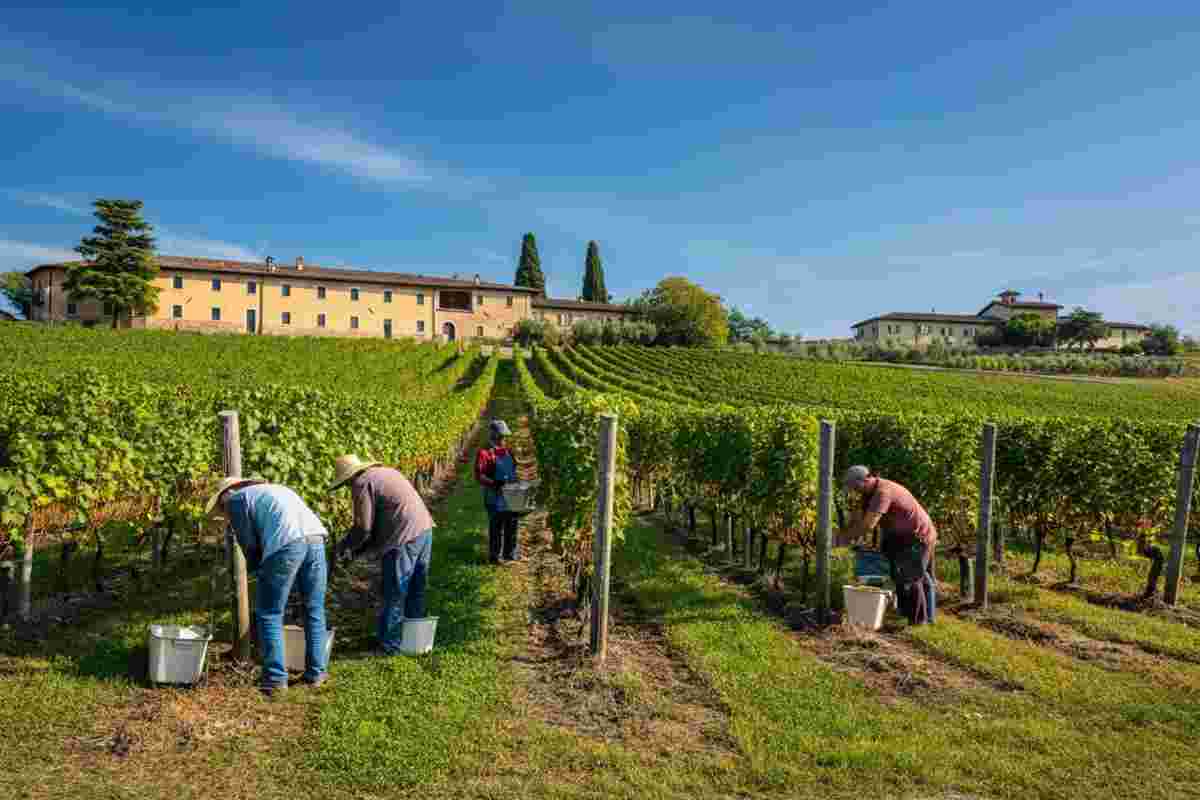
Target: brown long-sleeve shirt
(388, 512)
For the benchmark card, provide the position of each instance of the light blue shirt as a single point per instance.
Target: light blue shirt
(267, 517)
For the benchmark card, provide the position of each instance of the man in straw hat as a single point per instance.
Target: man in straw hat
(284, 543)
(909, 537)
(392, 522)
(495, 466)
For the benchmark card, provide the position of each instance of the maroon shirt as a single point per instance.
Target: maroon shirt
(904, 519)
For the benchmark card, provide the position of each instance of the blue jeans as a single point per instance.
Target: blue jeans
(405, 570)
(303, 563)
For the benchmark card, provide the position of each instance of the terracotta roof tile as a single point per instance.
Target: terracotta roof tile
(313, 271)
(577, 305)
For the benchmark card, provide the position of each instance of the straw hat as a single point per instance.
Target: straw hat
(224, 486)
(346, 467)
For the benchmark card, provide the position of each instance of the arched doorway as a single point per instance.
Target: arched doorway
(448, 331)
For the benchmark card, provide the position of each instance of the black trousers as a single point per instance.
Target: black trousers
(502, 536)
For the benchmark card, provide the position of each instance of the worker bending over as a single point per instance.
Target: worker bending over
(284, 543)
(391, 522)
(909, 538)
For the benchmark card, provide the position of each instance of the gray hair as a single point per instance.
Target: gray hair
(855, 477)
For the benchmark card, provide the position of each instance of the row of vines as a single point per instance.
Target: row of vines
(1079, 478)
(88, 451)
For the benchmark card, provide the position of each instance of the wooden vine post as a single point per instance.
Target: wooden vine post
(1183, 507)
(824, 521)
(748, 550)
(602, 542)
(239, 584)
(983, 544)
(25, 581)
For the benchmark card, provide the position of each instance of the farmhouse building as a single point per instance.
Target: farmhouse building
(918, 329)
(200, 294)
(567, 312)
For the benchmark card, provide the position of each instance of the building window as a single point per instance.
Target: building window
(320, 320)
(387, 295)
(354, 323)
(216, 314)
(354, 295)
(420, 326)
(251, 287)
(216, 284)
(454, 301)
(479, 331)
(286, 318)
(508, 301)
(177, 282)
(108, 309)
(420, 298)
(72, 309)
(285, 290)
(176, 312)
(320, 292)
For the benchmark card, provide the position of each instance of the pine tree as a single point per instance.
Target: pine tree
(529, 269)
(593, 276)
(120, 269)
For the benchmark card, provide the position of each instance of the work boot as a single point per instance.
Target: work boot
(318, 681)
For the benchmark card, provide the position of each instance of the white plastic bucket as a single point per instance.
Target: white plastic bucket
(865, 606)
(294, 647)
(177, 652)
(519, 497)
(417, 635)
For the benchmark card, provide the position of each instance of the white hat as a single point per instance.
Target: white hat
(346, 467)
(224, 486)
(855, 476)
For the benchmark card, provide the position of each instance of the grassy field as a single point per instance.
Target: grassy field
(716, 688)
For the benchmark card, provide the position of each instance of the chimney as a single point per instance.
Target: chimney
(1041, 297)
(476, 278)
(299, 263)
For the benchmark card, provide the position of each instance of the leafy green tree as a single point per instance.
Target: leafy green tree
(683, 313)
(1082, 327)
(529, 268)
(594, 289)
(744, 329)
(119, 269)
(15, 286)
(530, 331)
(1162, 341)
(1029, 330)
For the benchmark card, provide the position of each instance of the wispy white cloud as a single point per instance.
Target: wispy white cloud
(169, 241)
(15, 255)
(53, 201)
(261, 125)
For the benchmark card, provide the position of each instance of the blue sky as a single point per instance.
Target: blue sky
(815, 164)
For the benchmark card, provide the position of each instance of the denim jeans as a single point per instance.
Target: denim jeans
(405, 570)
(502, 535)
(303, 563)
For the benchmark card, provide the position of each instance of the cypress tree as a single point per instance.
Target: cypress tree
(529, 269)
(593, 276)
(120, 269)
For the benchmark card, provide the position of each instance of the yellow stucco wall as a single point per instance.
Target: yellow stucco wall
(413, 311)
(919, 333)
